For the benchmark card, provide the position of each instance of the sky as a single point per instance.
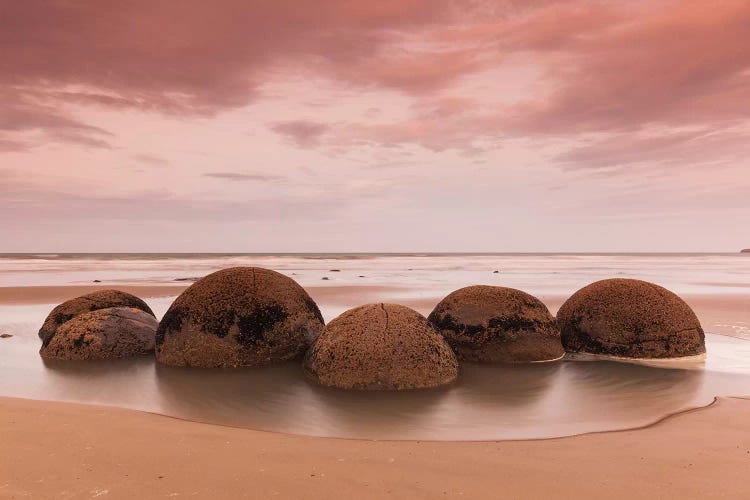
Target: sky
(374, 126)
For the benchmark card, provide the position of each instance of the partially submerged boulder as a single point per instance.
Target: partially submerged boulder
(381, 347)
(101, 299)
(630, 318)
(115, 332)
(242, 316)
(497, 325)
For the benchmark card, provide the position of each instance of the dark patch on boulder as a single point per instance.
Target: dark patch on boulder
(630, 318)
(102, 299)
(381, 347)
(497, 324)
(252, 327)
(241, 316)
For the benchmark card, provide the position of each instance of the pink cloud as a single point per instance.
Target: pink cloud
(303, 133)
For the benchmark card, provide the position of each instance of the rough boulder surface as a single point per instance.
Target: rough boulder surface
(102, 299)
(381, 347)
(497, 325)
(630, 318)
(242, 316)
(116, 332)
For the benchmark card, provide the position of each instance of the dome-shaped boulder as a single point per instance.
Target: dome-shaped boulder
(115, 332)
(101, 299)
(242, 316)
(630, 318)
(381, 347)
(497, 325)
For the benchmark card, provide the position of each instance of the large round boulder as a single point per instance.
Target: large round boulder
(242, 316)
(630, 318)
(115, 332)
(381, 347)
(101, 299)
(497, 325)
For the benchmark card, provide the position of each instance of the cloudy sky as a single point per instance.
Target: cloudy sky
(388, 125)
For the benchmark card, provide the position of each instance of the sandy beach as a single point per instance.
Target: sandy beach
(55, 449)
(61, 450)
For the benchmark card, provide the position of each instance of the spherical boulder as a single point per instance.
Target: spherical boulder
(242, 316)
(115, 332)
(630, 318)
(497, 325)
(101, 299)
(381, 347)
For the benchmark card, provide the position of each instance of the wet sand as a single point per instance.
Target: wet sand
(63, 450)
(26, 295)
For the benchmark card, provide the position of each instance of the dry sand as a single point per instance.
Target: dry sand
(62, 450)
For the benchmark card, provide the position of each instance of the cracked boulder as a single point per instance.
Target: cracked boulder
(101, 299)
(242, 316)
(497, 325)
(630, 318)
(381, 347)
(115, 332)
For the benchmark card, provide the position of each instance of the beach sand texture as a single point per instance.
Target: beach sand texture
(62, 450)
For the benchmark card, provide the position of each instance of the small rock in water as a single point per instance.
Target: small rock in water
(193, 278)
(325, 278)
(5, 335)
(495, 272)
(97, 281)
(361, 275)
(335, 270)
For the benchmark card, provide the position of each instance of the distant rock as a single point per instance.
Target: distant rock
(335, 270)
(495, 272)
(745, 250)
(97, 281)
(191, 279)
(325, 278)
(5, 335)
(115, 332)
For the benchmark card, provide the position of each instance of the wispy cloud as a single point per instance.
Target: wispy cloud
(242, 177)
(304, 134)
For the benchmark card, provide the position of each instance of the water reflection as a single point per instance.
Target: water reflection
(506, 385)
(487, 402)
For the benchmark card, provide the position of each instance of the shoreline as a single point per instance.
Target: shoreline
(647, 425)
(73, 450)
(727, 314)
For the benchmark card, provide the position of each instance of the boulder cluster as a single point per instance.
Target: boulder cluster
(249, 317)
